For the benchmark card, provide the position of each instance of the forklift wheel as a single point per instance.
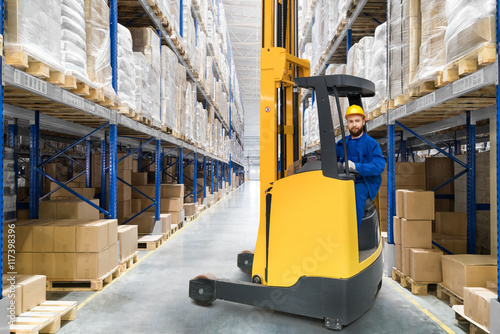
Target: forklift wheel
(202, 289)
(245, 261)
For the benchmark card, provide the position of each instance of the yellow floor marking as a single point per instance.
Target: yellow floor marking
(414, 302)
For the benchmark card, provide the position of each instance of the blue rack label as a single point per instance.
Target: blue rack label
(30, 82)
(425, 101)
(475, 80)
(73, 100)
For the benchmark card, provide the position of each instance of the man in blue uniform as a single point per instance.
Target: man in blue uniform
(365, 157)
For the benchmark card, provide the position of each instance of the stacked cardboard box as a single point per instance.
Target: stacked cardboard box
(127, 238)
(190, 209)
(66, 249)
(409, 175)
(68, 209)
(124, 192)
(467, 270)
(451, 231)
(413, 236)
(437, 172)
(477, 304)
(26, 291)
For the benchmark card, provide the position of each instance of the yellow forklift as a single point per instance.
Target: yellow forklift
(310, 259)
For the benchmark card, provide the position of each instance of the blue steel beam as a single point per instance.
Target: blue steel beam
(498, 148)
(113, 144)
(205, 177)
(104, 189)
(139, 158)
(13, 145)
(70, 169)
(88, 164)
(471, 186)
(138, 213)
(136, 150)
(65, 183)
(158, 179)
(63, 154)
(212, 171)
(195, 181)
(34, 161)
(391, 181)
(134, 188)
(113, 29)
(181, 164)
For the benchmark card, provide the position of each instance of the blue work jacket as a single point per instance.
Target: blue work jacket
(367, 156)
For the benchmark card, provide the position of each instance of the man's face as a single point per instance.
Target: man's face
(355, 124)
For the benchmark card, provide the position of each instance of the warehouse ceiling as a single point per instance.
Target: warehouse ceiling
(243, 22)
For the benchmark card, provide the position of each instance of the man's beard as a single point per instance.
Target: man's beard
(356, 133)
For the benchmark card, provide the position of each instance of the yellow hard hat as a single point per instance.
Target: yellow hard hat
(354, 110)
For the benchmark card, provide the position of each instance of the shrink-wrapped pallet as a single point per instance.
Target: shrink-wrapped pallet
(169, 78)
(164, 6)
(471, 23)
(201, 54)
(144, 104)
(34, 27)
(147, 41)
(404, 45)
(188, 31)
(126, 68)
(181, 94)
(98, 44)
(432, 56)
(377, 71)
(73, 38)
(175, 7)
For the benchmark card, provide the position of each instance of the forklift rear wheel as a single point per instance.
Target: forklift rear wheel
(202, 289)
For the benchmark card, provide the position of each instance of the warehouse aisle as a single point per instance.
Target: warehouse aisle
(152, 297)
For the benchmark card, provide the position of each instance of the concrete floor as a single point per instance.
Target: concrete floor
(152, 297)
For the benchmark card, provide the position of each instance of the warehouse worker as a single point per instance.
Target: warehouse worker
(365, 158)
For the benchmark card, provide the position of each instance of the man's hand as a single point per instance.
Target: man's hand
(352, 166)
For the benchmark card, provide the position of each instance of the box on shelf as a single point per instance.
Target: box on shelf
(140, 179)
(453, 244)
(416, 233)
(399, 257)
(127, 236)
(397, 230)
(451, 223)
(172, 190)
(425, 265)
(417, 204)
(468, 270)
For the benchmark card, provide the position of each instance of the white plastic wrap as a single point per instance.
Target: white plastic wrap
(34, 27)
(181, 95)
(175, 7)
(144, 104)
(169, 77)
(395, 49)
(126, 68)
(188, 32)
(364, 57)
(147, 42)
(432, 56)
(73, 38)
(377, 71)
(471, 23)
(98, 44)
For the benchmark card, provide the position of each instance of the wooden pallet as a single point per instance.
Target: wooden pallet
(78, 284)
(44, 318)
(129, 261)
(150, 242)
(400, 100)
(399, 277)
(443, 293)
(461, 318)
(416, 288)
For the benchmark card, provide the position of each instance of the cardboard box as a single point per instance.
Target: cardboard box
(405, 260)
(145, 223)
(166, 219)
(68, 209)
(127, 237)
(416, 233)
(147, 190)
(27, 291)
(125, 175)
(88, 193)
(24, 262)
(410, 180)
(125, 163)
(123, 209)
(64, 237)
(113, 259)
(65, 265)
(139, 179)
(135, 205)
(455, 245)
(418, 205)
(24, 237)
(175, 217)
(43, 237)
(410, 168)
(468, 270)
(44, 264)
(172, 190)
(399, 257)
(125, 194)
(397, 230)
(190, 209)
(451, 223)
(400, 202)
(166, 204)
(425, 265)
(92, 265)
(92, 236)
(477, 304)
